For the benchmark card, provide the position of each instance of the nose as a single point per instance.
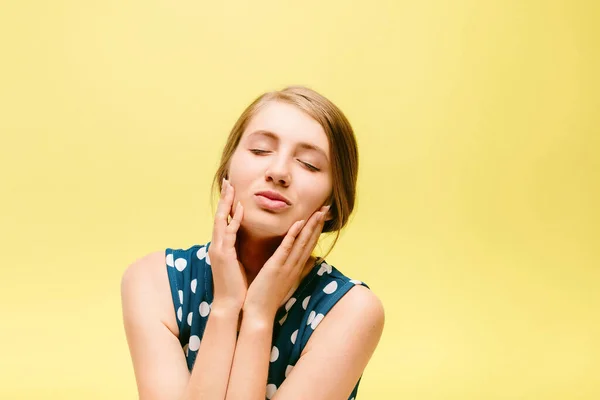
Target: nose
(278, 171)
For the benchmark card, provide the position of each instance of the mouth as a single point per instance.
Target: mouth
(272, 195)
(267, 202)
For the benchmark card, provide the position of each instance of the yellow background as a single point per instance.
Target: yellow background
(478, 211)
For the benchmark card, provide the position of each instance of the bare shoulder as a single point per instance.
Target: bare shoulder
(359, 311)
(364, 302)
(145, 282)
(151, 329)
(339, 349)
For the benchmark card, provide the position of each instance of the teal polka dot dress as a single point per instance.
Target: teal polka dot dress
(190, 277)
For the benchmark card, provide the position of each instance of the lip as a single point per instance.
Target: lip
(271, 195)
(267, 203)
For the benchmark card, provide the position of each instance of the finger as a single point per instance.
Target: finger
(312, 242)
(232, 228)
(223, 209)
(283, 251)
(306, 241)
(301, 242)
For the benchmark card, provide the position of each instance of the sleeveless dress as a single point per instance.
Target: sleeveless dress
(190, 279)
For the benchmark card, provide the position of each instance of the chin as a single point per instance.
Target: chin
(264, 227)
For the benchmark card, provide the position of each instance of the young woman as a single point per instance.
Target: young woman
(237, 317)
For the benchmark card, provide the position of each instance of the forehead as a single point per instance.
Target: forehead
(289, 123)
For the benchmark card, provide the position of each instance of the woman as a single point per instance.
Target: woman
(288, 173)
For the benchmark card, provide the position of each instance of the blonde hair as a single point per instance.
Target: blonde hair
(342, 144)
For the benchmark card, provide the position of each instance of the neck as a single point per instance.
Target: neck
(253, 252)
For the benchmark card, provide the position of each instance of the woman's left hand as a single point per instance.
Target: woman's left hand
(284, 269)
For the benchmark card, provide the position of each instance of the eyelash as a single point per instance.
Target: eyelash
(309, 166)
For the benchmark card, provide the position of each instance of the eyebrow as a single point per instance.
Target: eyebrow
(301, 144)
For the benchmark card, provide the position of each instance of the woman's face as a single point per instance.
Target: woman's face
(282, 150)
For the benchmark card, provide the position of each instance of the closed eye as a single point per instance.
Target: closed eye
(307, 165)
(258, 151)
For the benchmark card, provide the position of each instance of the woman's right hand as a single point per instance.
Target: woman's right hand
(229, 277)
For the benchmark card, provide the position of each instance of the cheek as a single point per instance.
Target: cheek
(317, 193)
(242, 175)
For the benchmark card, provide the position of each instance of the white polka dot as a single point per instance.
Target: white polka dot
(180, 264)
(181, 297)
(274, 354)
(170, 259)
(305, 302)
(324, 268)
(290, 303)
(185, 349)
(311, 316)
(288, 370)
(294, 336)
(208, 258)
(331, 287)
(271, 389)
(189, 319)
(282, 320)
(355, 281)
(352, 398)
(317, 321)
(193, 285)
(179, 313)
(204, 309)
(201, 253)
(194, 343)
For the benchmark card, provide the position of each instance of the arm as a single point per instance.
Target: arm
(332, 361)
(250, 368)
(159, 363)
(158, 359)
(218, 345)
(338, 351)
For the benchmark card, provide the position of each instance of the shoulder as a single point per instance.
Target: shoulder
(150, 323)
(359, 301)
(157, 284)
(340, 348)
(359, 311)
(146, 272)
(350, 306)
(146, 292)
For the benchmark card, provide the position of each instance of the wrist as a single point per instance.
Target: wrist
(258, 316)
(259, 323)
(225, 309)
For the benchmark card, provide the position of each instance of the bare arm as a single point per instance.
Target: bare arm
(338, 351)
(159, 362)
(218, 346)
(251, 362)
(331, 363)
